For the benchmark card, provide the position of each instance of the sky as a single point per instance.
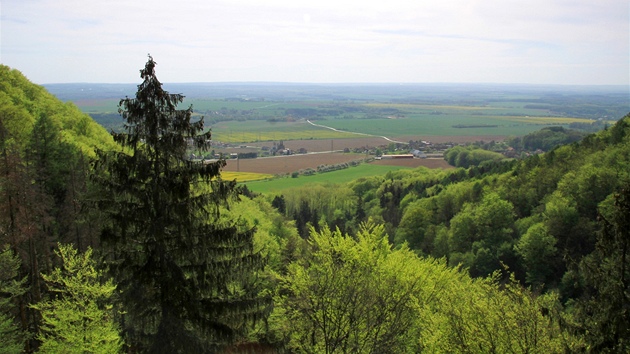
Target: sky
(567, 42)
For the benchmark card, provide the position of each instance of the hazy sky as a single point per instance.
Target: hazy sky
(422, 41)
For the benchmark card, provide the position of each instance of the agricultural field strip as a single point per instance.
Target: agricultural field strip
(245, 176)
(257, 130)
(431, 107)
(340, 176)
(542, 120)
(364, 134)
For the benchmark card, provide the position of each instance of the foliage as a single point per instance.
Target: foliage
(350, 296)
(465, 157)
(12, 338)
(43, 145)
(273, 232)
(603, 310)
(356, 294)
(50, 156)
(23, 218)
(187, 278)
(485, 230)
(546, 139)
(480, 316)
(79, 317)
(537, 248)
(22, 103)
(415, 226)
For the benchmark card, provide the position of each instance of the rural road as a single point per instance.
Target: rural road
(364, 134)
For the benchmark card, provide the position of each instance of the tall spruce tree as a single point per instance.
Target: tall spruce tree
(187, 280)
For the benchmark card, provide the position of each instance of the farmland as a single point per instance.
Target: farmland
(253, 118)
(244, 176)
(293, 163)
(288, 164)
(447, 125)
(341, 176)
(257, 130)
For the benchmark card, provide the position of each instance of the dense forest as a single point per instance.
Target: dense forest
(118, 243)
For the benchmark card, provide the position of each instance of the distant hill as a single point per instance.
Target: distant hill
(22, 102)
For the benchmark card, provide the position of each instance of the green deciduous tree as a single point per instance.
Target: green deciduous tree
(79, 317)
(486, 228)
(352, 296)
(479, 316)
(11, 337)
(537, 249)
(357, 295)
(465, 157)
(187, 278)
(416, 227)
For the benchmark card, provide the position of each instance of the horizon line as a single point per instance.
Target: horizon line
(367, 83)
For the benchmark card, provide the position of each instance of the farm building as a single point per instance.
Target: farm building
(402, 156)
(419, 154)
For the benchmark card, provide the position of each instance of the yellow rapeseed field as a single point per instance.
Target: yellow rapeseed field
(244, 176)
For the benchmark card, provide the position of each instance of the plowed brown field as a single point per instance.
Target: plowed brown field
(293, 163)
(288, 164)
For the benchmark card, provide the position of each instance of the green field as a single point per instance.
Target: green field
(380, 119)
(443, 125)
(334, 177)
(260, 130)
(388, 119)
(241, 113)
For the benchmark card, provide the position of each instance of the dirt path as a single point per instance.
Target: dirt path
(363, 134)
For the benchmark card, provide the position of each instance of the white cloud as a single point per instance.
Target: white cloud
(551, 41)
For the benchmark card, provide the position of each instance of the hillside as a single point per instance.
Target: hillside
(543, 219)
(22, 103)
(479, 217)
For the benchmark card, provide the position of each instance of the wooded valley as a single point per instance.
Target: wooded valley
(120, 243)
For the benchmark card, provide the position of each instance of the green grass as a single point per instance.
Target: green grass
(442, 125)
(334, 177)
(260, 130)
